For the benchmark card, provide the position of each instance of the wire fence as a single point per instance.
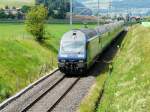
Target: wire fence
(55, 21)
(16, 36)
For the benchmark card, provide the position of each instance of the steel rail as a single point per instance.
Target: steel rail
(42, 95)
(64, 94)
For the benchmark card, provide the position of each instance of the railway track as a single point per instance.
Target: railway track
(42, 95)
(35, 106)
(64, 94)
(49, 91)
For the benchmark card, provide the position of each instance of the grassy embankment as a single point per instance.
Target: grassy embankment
(21, 57)
(16, 3)
(127, 89)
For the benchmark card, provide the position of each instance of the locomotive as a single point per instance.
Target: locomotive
(80, 47)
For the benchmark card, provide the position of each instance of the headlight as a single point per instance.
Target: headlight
(63, 61)
(64, 55)
(80, 65)
(61, 64)
(81, 61)
(81, 56)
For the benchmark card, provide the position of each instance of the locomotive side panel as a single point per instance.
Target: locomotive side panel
(96, 45)
(108, 37)
(93, 49)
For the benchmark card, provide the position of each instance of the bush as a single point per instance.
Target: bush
(35, 22)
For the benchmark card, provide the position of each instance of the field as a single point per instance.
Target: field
(127, 89)
(17, 3)
(11, 31)
(22, 59)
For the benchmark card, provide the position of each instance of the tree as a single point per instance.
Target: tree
(11, 15)
(13, 7)
(56, 8)
(62, 7)
(35, 22)
(25, 8)
(19, 15)
(6, 7)
(2, 14)
(61, 13)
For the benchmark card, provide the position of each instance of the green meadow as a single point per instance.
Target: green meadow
(16, 3)
(22, 59)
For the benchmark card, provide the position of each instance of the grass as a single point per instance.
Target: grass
(20, 64)
(16, 3)
(127, 89)
(11, 31)
(21, 57)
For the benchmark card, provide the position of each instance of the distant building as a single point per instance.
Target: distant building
(12, 11)
(135, 18)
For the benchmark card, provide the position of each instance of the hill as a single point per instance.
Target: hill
(131, 4)
(16, 3)
(81, 9)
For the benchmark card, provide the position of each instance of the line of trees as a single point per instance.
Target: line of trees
(13, 13)
(56, 8)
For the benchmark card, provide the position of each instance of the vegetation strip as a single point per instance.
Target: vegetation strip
(89, 103)
(8, 101)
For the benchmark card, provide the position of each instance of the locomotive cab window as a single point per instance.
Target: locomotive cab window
(73, 42)
(73, 47)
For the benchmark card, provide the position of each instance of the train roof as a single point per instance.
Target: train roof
(87, 33)
(75, 34)
(108, 27)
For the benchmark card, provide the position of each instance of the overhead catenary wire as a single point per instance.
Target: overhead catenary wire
(98, 13)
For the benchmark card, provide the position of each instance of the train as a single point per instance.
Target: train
(79, 48)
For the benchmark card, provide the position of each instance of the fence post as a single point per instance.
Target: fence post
(41, 71)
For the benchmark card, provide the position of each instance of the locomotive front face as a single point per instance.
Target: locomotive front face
(72, 53)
